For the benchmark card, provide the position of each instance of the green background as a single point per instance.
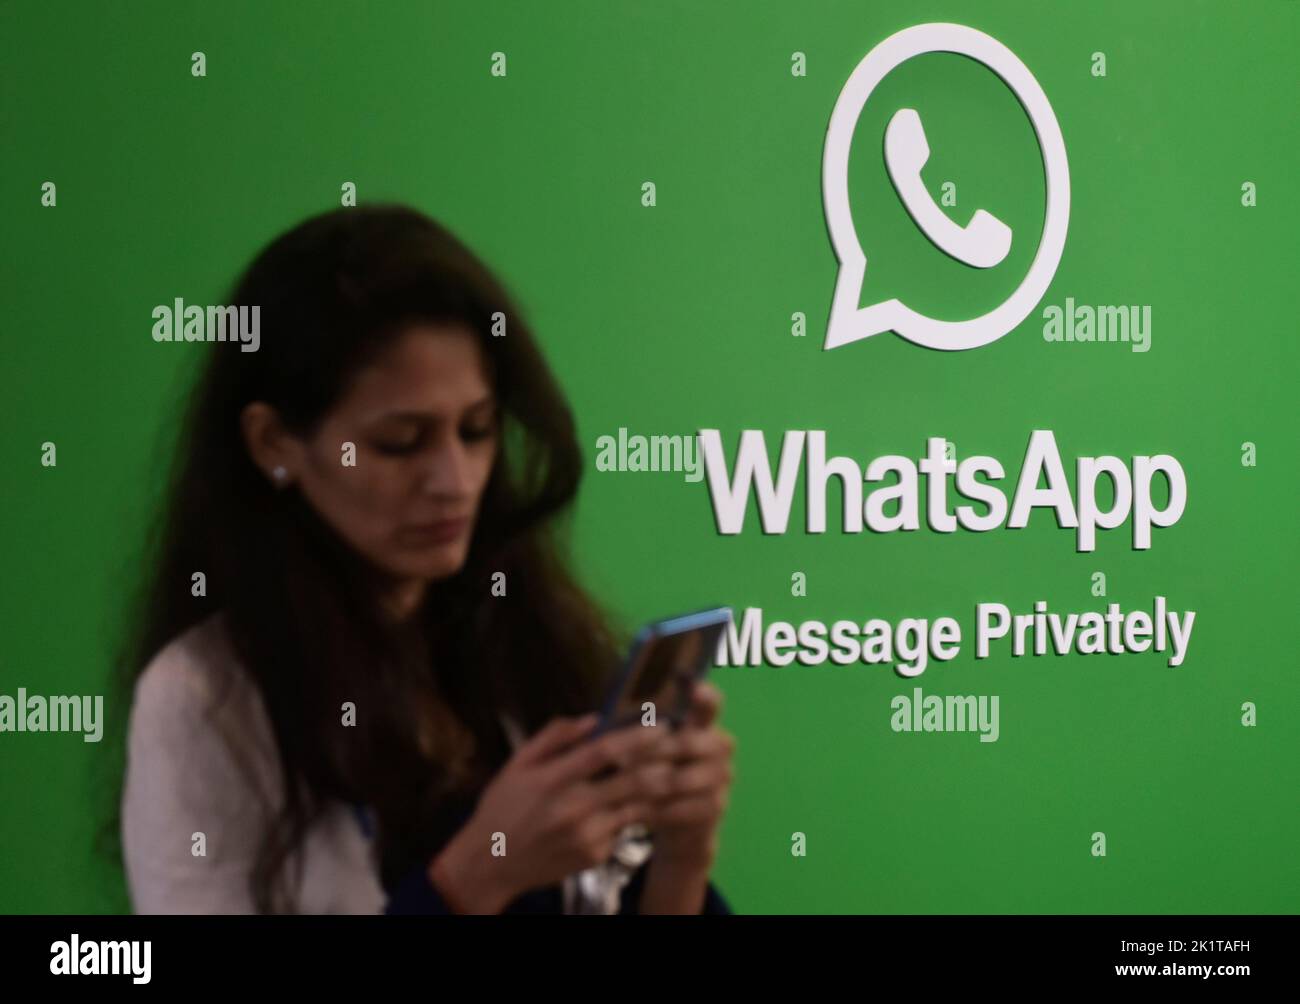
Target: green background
(674, 318)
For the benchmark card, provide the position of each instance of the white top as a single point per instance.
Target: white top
(205, 778)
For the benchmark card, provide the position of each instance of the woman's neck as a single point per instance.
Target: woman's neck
(404, 598)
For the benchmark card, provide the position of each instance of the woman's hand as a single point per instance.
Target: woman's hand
(685, 820)
(555, 808)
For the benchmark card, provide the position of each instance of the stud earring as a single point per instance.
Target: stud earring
(280, 474)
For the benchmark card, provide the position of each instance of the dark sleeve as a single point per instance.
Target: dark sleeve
(714, 903)
(416, 894)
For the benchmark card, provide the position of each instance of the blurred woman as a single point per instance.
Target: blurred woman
(362, 673)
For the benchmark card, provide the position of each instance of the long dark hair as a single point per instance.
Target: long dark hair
(300, 606)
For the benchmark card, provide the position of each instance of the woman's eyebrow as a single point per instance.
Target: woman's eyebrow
(405, 416)
(488, 400)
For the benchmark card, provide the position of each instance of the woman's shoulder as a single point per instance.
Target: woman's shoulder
(200, 764)
(195, 694)
(192, 669)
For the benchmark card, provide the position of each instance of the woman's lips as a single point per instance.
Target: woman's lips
(440, 532)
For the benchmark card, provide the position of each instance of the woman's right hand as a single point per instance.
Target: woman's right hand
(554, 813)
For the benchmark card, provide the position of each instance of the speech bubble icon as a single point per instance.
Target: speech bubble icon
(849, 322)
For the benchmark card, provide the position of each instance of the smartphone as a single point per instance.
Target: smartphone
(667, 657)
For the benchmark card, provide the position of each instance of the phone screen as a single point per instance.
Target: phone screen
(663, 672)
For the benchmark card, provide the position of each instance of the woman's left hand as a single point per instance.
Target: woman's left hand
(684, 821)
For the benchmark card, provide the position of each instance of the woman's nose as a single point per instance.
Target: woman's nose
(447, 471)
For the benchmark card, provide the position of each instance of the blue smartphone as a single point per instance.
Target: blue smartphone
(667, 657)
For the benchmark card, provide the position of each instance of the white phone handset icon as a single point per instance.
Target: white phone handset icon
(982, 243)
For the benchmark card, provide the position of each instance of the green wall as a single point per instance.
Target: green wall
(669, 319)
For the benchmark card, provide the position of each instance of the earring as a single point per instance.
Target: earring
(280, 474)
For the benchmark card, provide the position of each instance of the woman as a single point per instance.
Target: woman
(363, 657)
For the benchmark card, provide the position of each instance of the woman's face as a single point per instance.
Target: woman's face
(423, 419)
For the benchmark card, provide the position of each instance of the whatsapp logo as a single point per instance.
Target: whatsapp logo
(980, 240)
